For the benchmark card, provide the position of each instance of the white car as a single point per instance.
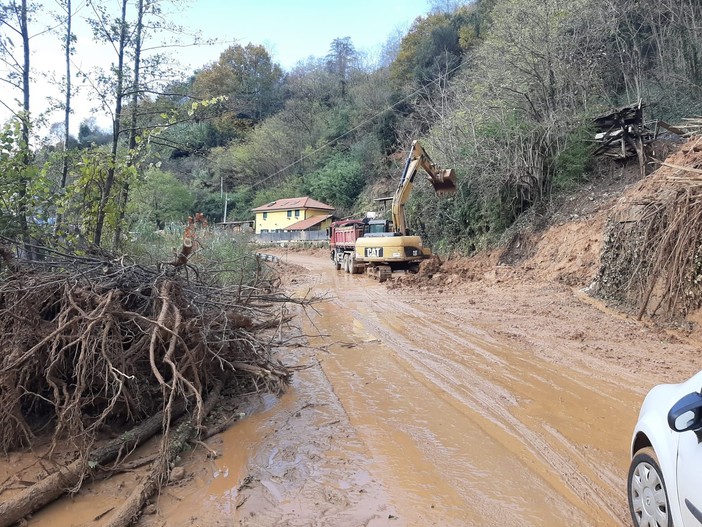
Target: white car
(665, 476)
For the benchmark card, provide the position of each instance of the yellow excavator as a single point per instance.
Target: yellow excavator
(385, 247)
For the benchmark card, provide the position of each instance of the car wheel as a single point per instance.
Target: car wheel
(648, 497)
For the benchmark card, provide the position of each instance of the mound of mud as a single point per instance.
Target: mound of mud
(435, 273)
(651, 260)
(635, 244)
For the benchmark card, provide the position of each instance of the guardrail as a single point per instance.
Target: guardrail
(292, 236)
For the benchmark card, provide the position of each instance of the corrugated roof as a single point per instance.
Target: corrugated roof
(306, 224)
(293, 203)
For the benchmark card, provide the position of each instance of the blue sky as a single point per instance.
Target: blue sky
(293, 30)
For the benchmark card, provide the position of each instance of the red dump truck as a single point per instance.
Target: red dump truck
(378, 262)
(342, 242)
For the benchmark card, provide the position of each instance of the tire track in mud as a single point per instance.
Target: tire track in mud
(476, 382)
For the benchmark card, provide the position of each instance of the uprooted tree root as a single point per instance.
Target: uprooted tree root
(90, 342)
(652, 253)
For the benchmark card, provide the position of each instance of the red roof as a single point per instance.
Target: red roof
(306, 224)
(293, 203)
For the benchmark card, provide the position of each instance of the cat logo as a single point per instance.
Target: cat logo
(374, 252)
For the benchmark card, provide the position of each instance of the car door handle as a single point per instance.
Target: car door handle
(694, 510)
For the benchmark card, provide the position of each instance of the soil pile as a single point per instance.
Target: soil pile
(651, 260)
(634, 243)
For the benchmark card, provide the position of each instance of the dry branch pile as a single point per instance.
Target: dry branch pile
(691, 126)
(652, 253)
(90, 342)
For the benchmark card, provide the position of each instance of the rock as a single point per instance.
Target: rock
(177, 474)
(150, 508)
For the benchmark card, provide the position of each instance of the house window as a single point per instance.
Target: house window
(297, 213)
(289, 214)
(265, 215)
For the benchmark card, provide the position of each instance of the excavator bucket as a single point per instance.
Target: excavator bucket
(444, 182)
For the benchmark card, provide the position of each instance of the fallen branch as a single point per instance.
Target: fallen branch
(129, 510)
(69, 477)
(678, 167)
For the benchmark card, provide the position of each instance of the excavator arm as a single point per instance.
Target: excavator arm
(443, 181)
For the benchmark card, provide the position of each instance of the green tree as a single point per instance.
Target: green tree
(117, 35)
(338, 182)
(289, 188)
(15, 18)
(249, 79)
(133, 74)
(90, 133)
(23, 192)
(435, 45)
(160, 198)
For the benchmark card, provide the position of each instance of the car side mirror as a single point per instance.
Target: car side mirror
(686, 414)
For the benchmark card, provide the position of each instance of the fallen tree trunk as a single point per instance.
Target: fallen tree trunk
(129, 510)
(69, 477)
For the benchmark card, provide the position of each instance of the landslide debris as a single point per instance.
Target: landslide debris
(651, 260)
(636, 245)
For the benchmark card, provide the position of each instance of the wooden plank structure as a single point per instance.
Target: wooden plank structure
(623, 133)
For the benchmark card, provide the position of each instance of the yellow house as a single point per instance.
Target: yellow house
(283, 214)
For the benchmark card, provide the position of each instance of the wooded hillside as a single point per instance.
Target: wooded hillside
(504, 91)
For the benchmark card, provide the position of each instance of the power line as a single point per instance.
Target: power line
(361, 124)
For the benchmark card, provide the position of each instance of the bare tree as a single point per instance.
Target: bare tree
(118, 39)
(133, 132)
(67, 110)
(14, 19)
(342, 57)
(446, 6)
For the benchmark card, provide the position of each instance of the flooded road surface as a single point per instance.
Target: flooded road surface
(465, 429)
(487, 403)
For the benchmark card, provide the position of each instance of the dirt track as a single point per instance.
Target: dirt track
(493, 402)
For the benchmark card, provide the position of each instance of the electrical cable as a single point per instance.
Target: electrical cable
(363, 123)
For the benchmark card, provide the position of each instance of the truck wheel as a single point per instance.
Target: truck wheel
(346, 263)
(337, 264)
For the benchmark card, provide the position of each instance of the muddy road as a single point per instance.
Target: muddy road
(496, 401)
(465, 428)
(512, 406)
